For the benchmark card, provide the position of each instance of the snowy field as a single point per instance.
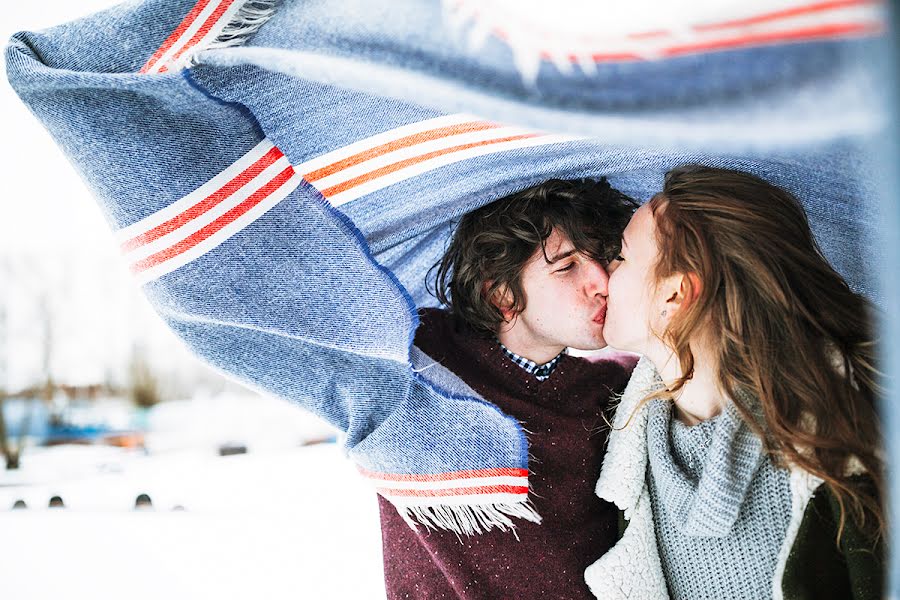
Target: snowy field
(274, 524)
(284, 520)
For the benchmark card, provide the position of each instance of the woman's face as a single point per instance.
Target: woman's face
(635, 304)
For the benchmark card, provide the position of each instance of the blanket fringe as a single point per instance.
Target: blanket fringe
(469, 519)
(252, 15)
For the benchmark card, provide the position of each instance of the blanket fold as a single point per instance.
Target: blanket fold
(280, 200)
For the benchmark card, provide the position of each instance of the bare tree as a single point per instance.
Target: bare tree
(29, 278)
(11, 451)
(143, 385)
(11, 457)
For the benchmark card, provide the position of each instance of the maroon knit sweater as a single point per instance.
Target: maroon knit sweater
(567, 437)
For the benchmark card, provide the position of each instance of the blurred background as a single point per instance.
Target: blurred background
(128, 468)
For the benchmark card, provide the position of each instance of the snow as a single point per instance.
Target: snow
(289, 523)
(283, 520)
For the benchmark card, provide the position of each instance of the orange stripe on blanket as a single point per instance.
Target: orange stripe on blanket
(342, 187)
(410, 140)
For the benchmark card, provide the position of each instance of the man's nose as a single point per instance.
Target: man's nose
(597, 279)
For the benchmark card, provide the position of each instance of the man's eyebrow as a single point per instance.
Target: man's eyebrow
(559, 257)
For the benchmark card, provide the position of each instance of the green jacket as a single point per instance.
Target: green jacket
(817, 568)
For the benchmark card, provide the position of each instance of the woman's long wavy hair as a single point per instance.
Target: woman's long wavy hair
(782, 325)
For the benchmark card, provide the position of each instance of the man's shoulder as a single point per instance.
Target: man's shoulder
(435, 323)
(433, 316)
(440, 329)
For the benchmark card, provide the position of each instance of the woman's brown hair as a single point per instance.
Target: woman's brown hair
(782, 324)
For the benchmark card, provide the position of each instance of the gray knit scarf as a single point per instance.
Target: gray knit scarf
(707, 506)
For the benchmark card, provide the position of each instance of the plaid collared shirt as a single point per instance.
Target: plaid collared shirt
(540, 372)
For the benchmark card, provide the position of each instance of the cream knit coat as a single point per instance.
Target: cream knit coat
(632, 568)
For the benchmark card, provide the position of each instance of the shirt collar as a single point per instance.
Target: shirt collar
(540, 372)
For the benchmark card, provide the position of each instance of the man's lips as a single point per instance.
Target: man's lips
(600, 317)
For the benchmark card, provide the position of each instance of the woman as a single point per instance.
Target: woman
(745, 455)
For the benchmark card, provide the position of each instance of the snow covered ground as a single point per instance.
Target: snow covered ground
(281, 521)
(289, 524)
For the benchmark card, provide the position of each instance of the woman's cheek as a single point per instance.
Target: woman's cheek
(612, 286)
(612, 330)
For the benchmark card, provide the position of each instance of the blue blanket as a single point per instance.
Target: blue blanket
(281, 175)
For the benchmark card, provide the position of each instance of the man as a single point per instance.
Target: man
(524, 278)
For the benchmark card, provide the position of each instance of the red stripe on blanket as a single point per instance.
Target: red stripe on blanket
(464, 491)
(787, 13)
(207, 25)
(848, 18)
(170, 41)
(471, 474)
(216, 225)
(796, 35)
(207, 203)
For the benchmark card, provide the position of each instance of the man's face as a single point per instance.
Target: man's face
(565, 302)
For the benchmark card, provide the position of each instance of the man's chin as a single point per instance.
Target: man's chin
(588, 346)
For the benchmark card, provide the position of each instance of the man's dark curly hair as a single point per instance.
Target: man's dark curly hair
(494, 243)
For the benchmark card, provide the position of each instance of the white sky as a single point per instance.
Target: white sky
(53, 237)
(47, 205)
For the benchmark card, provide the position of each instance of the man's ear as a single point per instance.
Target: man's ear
(500, 298)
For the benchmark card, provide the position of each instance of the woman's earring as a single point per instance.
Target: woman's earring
(663, 313)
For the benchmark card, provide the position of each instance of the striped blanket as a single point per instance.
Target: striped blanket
(281, 175)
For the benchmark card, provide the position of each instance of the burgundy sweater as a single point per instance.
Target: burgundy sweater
(567, 438)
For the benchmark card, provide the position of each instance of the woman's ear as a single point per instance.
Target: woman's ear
(695, 288)
(682, 290)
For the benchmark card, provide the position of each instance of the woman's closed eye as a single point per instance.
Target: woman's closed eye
(614, 263)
